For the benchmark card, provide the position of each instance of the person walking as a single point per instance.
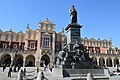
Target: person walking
(9, 72)
(4, 67)
(43, 77)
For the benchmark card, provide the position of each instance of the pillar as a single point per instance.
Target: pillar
(11, 61)
(12, 56)
(98, 61)
(113, 63)
(24, 62)
(37, 62)
(94, 49)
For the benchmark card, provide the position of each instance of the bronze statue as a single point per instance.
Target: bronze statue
(73, 14)
(79, 51)
(63, 53)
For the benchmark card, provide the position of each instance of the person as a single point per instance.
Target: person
(37, 69)
(9, 72)
(45, 66)
(50, 67)
(43, 77)
(14, 68)
(4, 67)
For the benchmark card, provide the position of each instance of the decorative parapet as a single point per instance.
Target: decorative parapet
(102, 54)
(17, 51)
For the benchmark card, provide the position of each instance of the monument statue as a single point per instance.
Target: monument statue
(79, 51)
(73, 14)
(63, 53)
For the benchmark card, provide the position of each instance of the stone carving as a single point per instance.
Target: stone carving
(63, 53)
(73, 14)
(79, 51)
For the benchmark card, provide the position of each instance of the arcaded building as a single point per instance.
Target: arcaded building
(44, 43)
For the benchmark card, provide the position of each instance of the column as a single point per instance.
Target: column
(24, 62)
(113, 63)
(105, 63)
(37, 62)
(11, 61)
(97, 61)
(94, 49)
(12, 57)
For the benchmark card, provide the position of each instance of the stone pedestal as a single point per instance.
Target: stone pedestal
(73, 34)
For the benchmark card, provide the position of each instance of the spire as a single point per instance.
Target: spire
(47, 19)
(27, 26)
(63, 30)
(10, 30)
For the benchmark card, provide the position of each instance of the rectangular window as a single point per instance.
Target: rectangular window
(57, 46)
(4, 45)
(46, 42)
(32, 45)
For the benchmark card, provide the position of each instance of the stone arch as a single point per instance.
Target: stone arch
(6, 59)
(116, 61)
(19, 60)
(101, 61)
(30, 61)
(94, 59)
(109, 62)
(46, 59)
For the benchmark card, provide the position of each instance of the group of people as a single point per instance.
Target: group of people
(46, 66)
(11, 68)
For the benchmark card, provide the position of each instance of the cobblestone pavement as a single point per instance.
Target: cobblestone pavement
(47, 73)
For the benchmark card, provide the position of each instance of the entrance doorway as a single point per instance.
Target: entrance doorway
(44, 60)
(30, 61)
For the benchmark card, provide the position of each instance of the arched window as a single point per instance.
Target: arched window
(4, 45)
(14, 46)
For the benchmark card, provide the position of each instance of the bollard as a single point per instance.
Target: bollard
(90, 76)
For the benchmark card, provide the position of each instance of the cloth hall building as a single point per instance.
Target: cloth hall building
(44, 43)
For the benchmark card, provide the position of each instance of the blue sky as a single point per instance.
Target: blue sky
(100, 18)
